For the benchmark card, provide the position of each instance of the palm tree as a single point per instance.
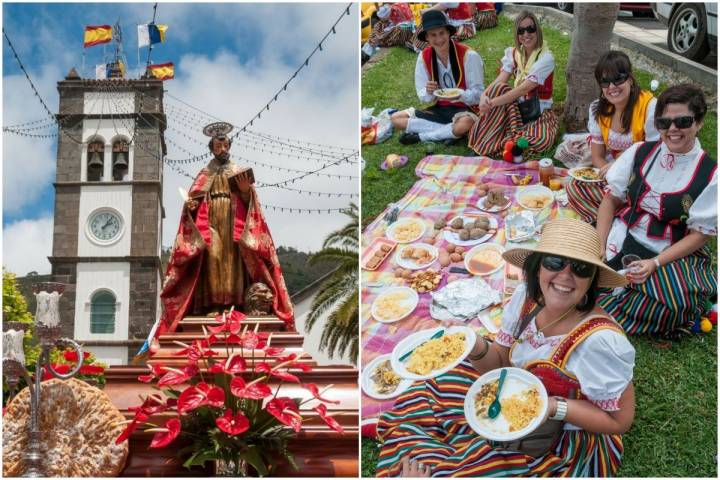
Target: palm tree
(339, 291)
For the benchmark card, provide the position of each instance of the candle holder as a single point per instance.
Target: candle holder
(47, 332)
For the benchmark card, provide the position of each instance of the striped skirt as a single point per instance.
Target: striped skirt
(671, 299)
(491, 131)
(382, 36)
(464, 31)
(485, 19)
(428, 424)
(585, 198)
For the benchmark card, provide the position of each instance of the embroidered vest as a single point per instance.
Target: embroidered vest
(543, 91)
(553, 373)
(401, 12)
(457, 64)
(637, 123)
(484, 6)
(461, 12)
(674, 206)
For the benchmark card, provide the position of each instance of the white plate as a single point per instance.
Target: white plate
(481, 205)
(497, 429)
(368, 385)
(410, 264)
(410, 303)
(573, 173)
(448, 93)
(454, 237)
(391, 230)
(535, 190)
(471, 253)
(417, 339)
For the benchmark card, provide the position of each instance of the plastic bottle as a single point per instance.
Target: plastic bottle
(546, 171)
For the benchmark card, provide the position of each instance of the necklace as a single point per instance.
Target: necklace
(538, 334)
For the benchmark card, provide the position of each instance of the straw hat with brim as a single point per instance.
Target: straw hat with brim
(434, 19)
(574, 239)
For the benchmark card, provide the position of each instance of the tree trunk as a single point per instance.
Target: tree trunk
(592, 30)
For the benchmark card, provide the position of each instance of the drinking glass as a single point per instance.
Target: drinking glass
(628, 259)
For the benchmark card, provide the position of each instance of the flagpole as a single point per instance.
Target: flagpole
(150, 47)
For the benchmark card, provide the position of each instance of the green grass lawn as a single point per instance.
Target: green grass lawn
(674, 433)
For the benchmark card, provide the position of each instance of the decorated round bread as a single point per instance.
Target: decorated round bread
(79, 426)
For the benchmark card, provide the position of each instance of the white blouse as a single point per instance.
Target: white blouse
(603, 363)
(670, 173)
(452, 21)
(474, 78)
(539, 72)
(620, 142)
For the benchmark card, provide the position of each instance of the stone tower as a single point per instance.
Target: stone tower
(108, 212)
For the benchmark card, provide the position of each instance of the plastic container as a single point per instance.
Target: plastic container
(546, 171)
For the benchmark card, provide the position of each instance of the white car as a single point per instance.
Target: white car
(692, 27)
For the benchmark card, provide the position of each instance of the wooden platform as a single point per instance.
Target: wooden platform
(318, 450)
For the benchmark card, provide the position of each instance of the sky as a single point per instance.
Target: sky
(230, 60)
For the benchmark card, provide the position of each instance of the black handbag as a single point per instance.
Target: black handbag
(537, 443)
(530, 109)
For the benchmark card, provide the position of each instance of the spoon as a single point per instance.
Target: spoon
(406, 355)
(494, 409)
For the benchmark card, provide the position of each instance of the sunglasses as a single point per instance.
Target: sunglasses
(529, 29)
(617, 80)
(663, 123)
(556, 263)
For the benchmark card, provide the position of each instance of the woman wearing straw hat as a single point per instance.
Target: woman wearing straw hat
(661, 207)
(553, 328)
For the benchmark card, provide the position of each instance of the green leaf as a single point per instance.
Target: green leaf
(253, 457)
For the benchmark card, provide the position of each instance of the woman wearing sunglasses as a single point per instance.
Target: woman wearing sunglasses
(623, 115)
(507, 113)
(661, 206)
(553, 328)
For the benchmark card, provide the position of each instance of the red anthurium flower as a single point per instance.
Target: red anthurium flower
(332, 423)
(195, 352)
(199, 395)
(231, 323)
(265, 368)
(91, 370)
(316, 393)
(156, 371)
(285, 410)
(140, 417)
(234, 364)
(252, 340)
(274, 351)
(176, 377)
(232, 425)
(167, 435)
(253, 390)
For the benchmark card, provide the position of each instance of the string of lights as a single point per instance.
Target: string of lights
(44, 123)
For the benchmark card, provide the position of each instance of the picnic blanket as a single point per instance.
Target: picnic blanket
(446, 187)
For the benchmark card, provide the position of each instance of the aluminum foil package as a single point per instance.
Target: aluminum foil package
(520, 226)
(463, 299)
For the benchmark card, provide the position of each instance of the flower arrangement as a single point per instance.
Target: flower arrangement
(229, 412)
(63, 362)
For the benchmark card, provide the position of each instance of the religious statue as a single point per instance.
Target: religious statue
(223, 244)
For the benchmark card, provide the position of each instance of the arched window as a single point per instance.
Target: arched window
(120, 160)
(102, 312)
(95, 161)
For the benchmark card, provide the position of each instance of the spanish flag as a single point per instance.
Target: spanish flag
(97, 34)
(163, 71)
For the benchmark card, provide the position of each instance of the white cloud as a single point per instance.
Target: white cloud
(26, 246)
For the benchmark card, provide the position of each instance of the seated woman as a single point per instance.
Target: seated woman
(553, 328)
(624, 114)
(500, 120)
(461, 16)
(661, 205)
(395, 26)
(485, 15)
(444, 64)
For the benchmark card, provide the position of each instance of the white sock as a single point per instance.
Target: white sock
(443, 132)
(420, 125)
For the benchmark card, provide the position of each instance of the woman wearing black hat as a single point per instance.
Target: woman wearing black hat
(444, 64)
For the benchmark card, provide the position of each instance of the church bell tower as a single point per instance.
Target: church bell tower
(108, 211)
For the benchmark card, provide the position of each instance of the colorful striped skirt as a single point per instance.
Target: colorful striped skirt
(485, 19)
(491, 131)
(585, 198)
(464, 31)
(394, 36)
(671, 299)
(427, 424)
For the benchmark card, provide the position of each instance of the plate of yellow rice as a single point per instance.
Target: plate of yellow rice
(523, 401)
(432, 356)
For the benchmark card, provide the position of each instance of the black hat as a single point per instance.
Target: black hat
(434, 19)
